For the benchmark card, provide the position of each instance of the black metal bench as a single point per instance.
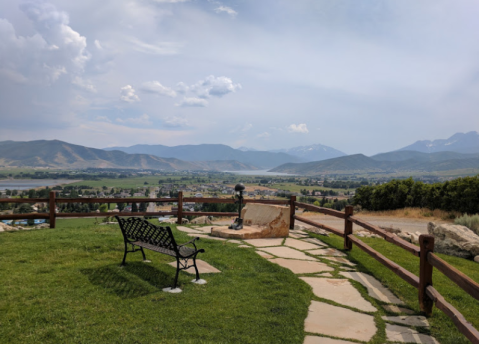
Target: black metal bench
(143, 234)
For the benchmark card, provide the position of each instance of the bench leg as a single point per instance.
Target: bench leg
(196, 268)
(124, 256)
(177, 272)
(143, 253)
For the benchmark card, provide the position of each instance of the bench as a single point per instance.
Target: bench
(140, 233)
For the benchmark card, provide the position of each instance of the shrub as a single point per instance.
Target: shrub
(470, 221)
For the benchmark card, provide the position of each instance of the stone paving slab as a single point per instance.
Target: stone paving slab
(396, 309)
(287, 252)
(264, 254)
(339, 260)
(194, 235)
(234, 241)
(375, 288)
(264, 242)
(403, 334)
(315, 241)
(245, 246)
(300, 266)
(205, 229)
(299, 244)
(327, 252)
(340, 291)
(410, 320)
(325, 274)
(294, 235)
(187, 230)
(339, 322)
(203, 268)
(324, 340)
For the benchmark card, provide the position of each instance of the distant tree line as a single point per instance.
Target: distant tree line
(461, 194)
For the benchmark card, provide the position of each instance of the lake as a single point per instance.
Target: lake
(26, 184)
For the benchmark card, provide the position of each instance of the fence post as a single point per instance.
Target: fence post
(180, 207)
(348, 227)
(426, 243)
(292, 211)
(52, 209)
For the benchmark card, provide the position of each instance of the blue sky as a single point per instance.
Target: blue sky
(360, 76)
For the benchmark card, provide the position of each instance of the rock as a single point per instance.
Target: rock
(300, 227)
(317, 231)
(476, 259)
(454, 240)
(414, 238)
(202, 220)
(405, 236)
(390, 229)
(5, 227)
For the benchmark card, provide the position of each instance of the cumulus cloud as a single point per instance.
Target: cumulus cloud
(127, 94)
(176, 122)
(264, 135)
(300, 128)
(156, 88)
(86, 85)
(225, 9)
(169, 1)
(214, 86)
(182, 88)
(53, 50)
(192, 102)
(142, 120)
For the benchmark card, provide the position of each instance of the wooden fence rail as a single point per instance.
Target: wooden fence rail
(427, 295)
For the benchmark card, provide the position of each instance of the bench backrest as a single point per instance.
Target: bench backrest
(137, 229)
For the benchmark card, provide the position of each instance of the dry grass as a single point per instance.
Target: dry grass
(416, 213)
(410, 213)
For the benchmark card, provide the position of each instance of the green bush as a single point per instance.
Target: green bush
(470, 221)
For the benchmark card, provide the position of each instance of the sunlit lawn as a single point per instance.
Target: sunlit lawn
(65, 285)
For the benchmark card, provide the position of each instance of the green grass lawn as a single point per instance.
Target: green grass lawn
(442, 328)
(65, 285)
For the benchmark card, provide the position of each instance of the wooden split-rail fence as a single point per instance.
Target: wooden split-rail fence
(428, 296)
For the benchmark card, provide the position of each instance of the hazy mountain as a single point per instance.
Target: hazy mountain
(58, 154)
(421, 157)
(316, 152)
(358, 163)
(246, 149)
(462, 143)
(212, 152)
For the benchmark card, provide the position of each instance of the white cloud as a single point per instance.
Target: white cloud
(142, 120)
(157, 88)
(80, 82)
(300, 128)
(176, 122)
(264, 135)
(103, 119)
(160, 48)
(214, 86)
(227, 10)
(53, 50)
(192, 102)
(127, 94)
(182, 88)
(247, 127)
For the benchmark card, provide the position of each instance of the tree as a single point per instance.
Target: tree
(120, 206)
(134, 207)
(142, 207)
(24, 208)
(103, 208)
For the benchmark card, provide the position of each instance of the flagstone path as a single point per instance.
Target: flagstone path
(339, 313)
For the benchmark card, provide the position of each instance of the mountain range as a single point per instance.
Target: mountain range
(63, 155)
(460, 151)
(208, 152)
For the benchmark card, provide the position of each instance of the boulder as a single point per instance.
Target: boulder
(5, 227)
(476, 259)
(202, 220)
(274, 217)
(454, 240)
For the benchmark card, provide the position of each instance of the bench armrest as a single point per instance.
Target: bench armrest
(192, 241)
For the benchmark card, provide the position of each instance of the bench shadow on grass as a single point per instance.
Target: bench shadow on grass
(131, 281)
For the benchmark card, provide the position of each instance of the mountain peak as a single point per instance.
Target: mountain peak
(467, 143)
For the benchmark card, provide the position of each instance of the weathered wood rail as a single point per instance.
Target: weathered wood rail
(428, 296)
